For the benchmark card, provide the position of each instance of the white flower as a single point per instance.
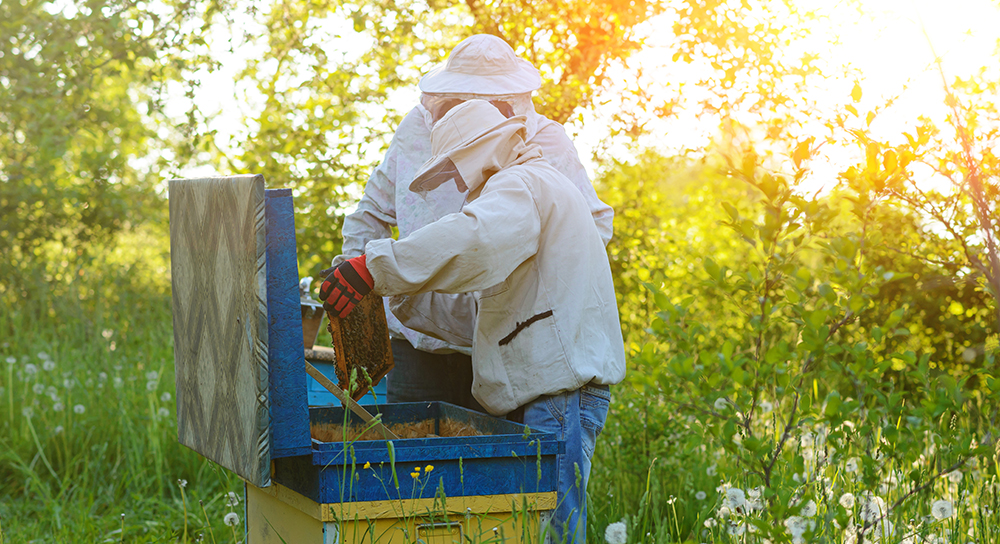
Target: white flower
(954, 476)
(851, 465)
(30, 369)
(163, 412)
(616, 533)
(58, 407)
(79, 409)
(872, 507)
(231, 519)
(797, 526)
(942, 509)
(721, 403)
(11, 360)
(883, 531)
(49, 365)
(700, 495)
(165, 397)
(736, 500)
(232, 499)
(847, 500)
(809, 510)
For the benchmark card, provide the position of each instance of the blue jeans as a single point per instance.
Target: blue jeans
(577, 417)
(418, 376)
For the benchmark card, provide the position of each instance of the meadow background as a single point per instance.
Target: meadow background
(805, 252)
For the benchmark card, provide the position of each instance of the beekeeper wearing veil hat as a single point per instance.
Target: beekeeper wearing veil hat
(430, 368)
(547, 341)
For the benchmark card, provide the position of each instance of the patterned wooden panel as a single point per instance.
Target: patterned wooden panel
(219, 274)
(361, 341)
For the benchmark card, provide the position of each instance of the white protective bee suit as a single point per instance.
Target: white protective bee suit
(526, 240)
(388, 201)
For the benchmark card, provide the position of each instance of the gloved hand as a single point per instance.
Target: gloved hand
(345, 285)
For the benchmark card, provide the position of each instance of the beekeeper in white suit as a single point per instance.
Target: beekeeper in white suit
(485, 67)
(547, 338)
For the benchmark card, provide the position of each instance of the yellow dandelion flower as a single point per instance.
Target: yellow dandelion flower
(416, 469)
(429, 468)
(368, 465)
(414, 475)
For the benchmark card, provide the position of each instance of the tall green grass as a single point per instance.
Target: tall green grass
(88, 448)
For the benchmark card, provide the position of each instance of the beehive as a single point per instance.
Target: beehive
(242, 399)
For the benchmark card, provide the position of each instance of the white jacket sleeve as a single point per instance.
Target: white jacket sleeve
(462, 252)
(447, 317)
(559, 150)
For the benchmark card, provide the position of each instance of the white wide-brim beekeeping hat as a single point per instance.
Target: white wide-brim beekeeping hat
(459, 130)
(482, 64)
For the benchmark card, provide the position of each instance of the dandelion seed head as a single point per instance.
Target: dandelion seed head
(712, 470)
(766, 407)
(118, 382)
(68, 383)
(942, 509)
(231, 519)
(150, 386)
(30, 369)
(152, 375)
(79, 409)
(58, 407)
(616, 533)
(44, 356)
(165, 397)
(701, 495)
(711, 522)
(955, 476)
(58, 430)
(103, 376)
(232, 499)
(38, 388)
(809, 510)
(721, 403)
(851, 465)
(106, 333)
(49, 365)
(872, 507)
(847, 500)
(163, 412)
(182, 483)
(736, 529)
(11, 360)
(27, 412)
(735, 499)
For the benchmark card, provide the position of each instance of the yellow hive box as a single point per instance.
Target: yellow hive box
(278, 515)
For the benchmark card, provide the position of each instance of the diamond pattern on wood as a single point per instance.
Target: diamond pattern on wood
(219, 277)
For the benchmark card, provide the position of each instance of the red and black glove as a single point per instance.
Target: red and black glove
(345, 286)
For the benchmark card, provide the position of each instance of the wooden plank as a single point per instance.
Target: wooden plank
(288, 395)
(218, 233)
(361, 342)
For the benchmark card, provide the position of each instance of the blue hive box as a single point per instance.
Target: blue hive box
(504, 459)
(244, 400)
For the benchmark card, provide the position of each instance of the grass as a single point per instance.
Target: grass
(88, 449)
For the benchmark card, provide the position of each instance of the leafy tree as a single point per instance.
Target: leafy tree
(79, 82)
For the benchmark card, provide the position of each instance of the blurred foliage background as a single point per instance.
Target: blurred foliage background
(749, 271)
